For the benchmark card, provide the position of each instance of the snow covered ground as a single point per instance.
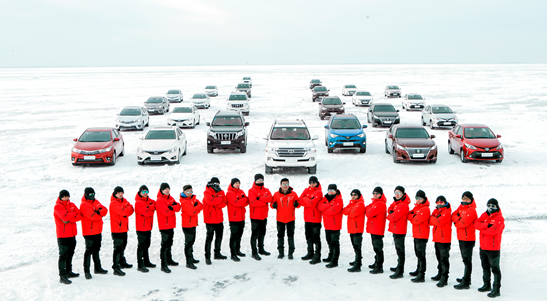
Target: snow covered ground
(44, 109)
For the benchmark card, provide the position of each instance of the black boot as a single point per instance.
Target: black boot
(329, 258)
(62, 272)
(118, 272)
(485, 288)
(415, 273)
(463, 285)
(443, 282)
(310, 251)
(393, 269)
(420, 277)
(495, 292)
(219, 256)
(97, 262)
(163, 259)
(261, 251)
(398, 274)
(146, 259)
(377, 270)
(141, 267)
(208, 259)
(169, 258)
(87, 265)
(255, 256)
(165, 269)
(356, 267)
(307, 256)
(64, 280)
(100, 270)
(437, 277)
(235, 258)
(190, 263)
(291, 254)
(124, 264)
(72, 275)
(316, 259)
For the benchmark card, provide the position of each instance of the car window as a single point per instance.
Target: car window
(392, 87)
(116, 133)
(210, 87)
(130, 112)
(182, 110)
(227, 121)
(103, 136)
(290, 133)
(173, 92)
(384, 108)
(442, 110)
(458, 130)
(199, 96)
(411, 133)
(332, 101)
(363, 93)
(339, 124)
(238, 97)
(154, 100)
(160, 134)
(478, 133)
(321, 89)
(415, 96)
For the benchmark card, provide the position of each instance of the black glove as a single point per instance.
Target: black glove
(274, 205)
(390, 211)
(195, 204)
(216, 187)
(458, 214)
(170, 207)
(412, 212)
(98, 212)
(295, 203)
(174, 203)
(489, 225)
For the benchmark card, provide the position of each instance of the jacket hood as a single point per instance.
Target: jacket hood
(424, 204)
(337, 194)
(288, 191)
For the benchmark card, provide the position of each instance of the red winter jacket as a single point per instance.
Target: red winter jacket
(189, 212)
(167, 219)
(332, 212)
(213, 202)
(464, 220)
(490, 227)
(398, 219)
(309, 198)
(376, 216)
(144, 213)
(66, 211)
(355, 211)
(285, 205)
(92, 223)
(120, 210)
(419, 218)
(259, 198)
(237, 201)
(442, 225)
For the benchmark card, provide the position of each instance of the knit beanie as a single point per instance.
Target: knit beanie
(357, 192)
(400, 188)
(63, 193)
(378, 190)
(420, 194)
(234, 180)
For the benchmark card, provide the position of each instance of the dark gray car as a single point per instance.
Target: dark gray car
(331, 105)
(383, 114)
(318, 92)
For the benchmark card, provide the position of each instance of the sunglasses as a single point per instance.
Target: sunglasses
(332, 190)
(398, 193)
(439, 203)
(91, 194)
(377, 193)
(466, 198)
(189, 192)
(353, 194)
(491, 206)
(144, 191)
(285, 184)
(259, 181)
(419, 198)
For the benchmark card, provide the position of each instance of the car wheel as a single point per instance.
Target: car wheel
(113, 162)
(330, 150)
(193, 126)
(140, 163)
(326, 142)
(431, 124)
(423, 122)
(312, 170)
(178, 159)
(462, 156)
(199, 119)
(74, 164)
(210, 149)
(363, 150)
(450, 150)
(142, 127)
(185, 149)
(148, 122)
(499, 161)
(322, 118)
(403, 106)
(243, 149)
(268, 169)
(387, 151)
(433, 161)
(395, 156)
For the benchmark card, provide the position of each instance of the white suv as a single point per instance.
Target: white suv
(239, 102)
(290, 145)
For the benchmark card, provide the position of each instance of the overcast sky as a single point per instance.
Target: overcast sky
(49, 33)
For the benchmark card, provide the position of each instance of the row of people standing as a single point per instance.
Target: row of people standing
(319, 209)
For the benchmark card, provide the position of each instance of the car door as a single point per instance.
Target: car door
(455, 142)
(144, 114)
(389, 141)
(181, 140)
(116, 145)
(425, 114)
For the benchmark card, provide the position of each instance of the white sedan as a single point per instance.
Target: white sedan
(413, 101)
(201, 100)
(186, 115)
(439, 116)
(162, 145)
(362, 98)
(349, 90)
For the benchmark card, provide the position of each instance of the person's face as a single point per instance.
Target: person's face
(166, 191)
(65, 198)
(332, 191)
(119, 195)
(189, 192)
(466, 200)
(398, 194)
(354, 196)
(144, 193)
(441, 203)
(419, 200)
(236, 185)
(285, 186)
(376, 195)
(313, 184)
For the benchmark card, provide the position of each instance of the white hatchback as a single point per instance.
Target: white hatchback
(162, 145)
(186, 115)
(201, 100)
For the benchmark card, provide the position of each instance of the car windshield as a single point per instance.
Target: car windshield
(243, 86)
(411, 133)
(154, 100)
(130, 112)
(238, 97)
(315, 81)
(364, 93)
(247, 78)
(332, 101)
(393, 87)
(345, 124)
(103, 136)
(441, 110)
(160, 134)
(199, 96)
(351, 86)
(290, 133)
(415, 96)
(182, 110)
(478, 133)
(227, 121)
(210, 87)
(320, 89)
(385, 108)
(173, 92)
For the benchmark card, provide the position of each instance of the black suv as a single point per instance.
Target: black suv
(318, 92)
(227, 131)
(383, 114)
(330, 105)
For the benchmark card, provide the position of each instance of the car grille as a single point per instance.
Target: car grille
(291, 152)
(90, 152)
(225, 136)
(156, 153)
(132, 121)
(237, 105)
(180, 120)
(412, 151)
(365, 101)
(384, 119)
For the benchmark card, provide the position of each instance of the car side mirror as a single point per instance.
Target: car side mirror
(458, 136)
(343, 103)
(397, 110)
(246, 123)
(432, 136)
(499, 136)
(326, 126)
(116, 139)
(370, 110)
(265, 138)
(208, 124)
(365, 126)
(75, 139)
(314, 137)
(390, 136)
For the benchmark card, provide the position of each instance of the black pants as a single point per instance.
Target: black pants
(216, 231)
(236, 232)
(333, 240)
(281, 236)
(143, 239)
(92, 248)
(442, 252)
(378, 247)
(313, 238)
(466, 248)
(120, 242)
(419, 249)
(166, 244)
(357, 242)
(67, 246)
(189, 239)
(399, 240)
(490, 261)
(258, 232)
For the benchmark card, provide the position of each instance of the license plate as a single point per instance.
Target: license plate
(155, 158)
(348, 143)
(418, 156)
(488, 155)
(448, 123)
(225, 142)
(180, 124)
(291, 160)
(387, 121)
(89, 157)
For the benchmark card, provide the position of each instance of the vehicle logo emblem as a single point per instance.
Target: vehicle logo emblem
(348, 138)
(418, 150)
(486, 149)
(291, 151)
(225, 136)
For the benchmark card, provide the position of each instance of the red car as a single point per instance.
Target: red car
(475, 142)
(98, 145)
(410, 143)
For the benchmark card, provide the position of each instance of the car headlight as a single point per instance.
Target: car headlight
(271, 149)
(436, 119)
(323, 108)
(499, 147)
(401, 147)
(239, 134)
(118, 121)
(310, 149)
(140, 150)
(333, 135)
(212, 134)
(361, 135)
(174, 149)
(138, 120)
(434, 147)
(469, 146)
(375, 117)
(104, 150)
(76, 150)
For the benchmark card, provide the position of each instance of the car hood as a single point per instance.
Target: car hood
(90, 146)
(241, 102)
(333, 106)
(415, 142)
(180, 115)
(444, 116)
(146, 104)
(386, 114)
(290, 143)
(172, 95)
(346, 132)
(198, 100)
(228, 129)
(484, 143)
(129, 118)
(158, 144)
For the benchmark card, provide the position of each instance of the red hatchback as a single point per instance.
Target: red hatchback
(475, 142)
(98, 145)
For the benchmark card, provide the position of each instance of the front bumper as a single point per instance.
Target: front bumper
(394, 94)
(363, 102)
(157, 157)
(385, 121)
(324, 113)
(318, 95)
(441, 123)
(214, 94)
(131, 125)
(414, 106)
(174, 99)
(181, 123)
(226, 144)
(309, 160)
(343, 142)
(410, 154)
(99, 158)
(153, 109)
(481, 154)
(202, 105)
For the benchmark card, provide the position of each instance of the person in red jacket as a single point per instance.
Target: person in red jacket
(331, 206)
(144, 220)
(285, 201)
(441, 221)
(214, 200)
(355, 211)
(376, 226)
(259, 199)
(92, 227)
(309, 198)
(490, 224)
(66, 215)
(190, 207)
(166, 209)
(397, 216)
(464, 220)
(237, 201)
(419, 218)
(120, 210)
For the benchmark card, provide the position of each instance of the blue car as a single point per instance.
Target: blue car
(345, 131)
